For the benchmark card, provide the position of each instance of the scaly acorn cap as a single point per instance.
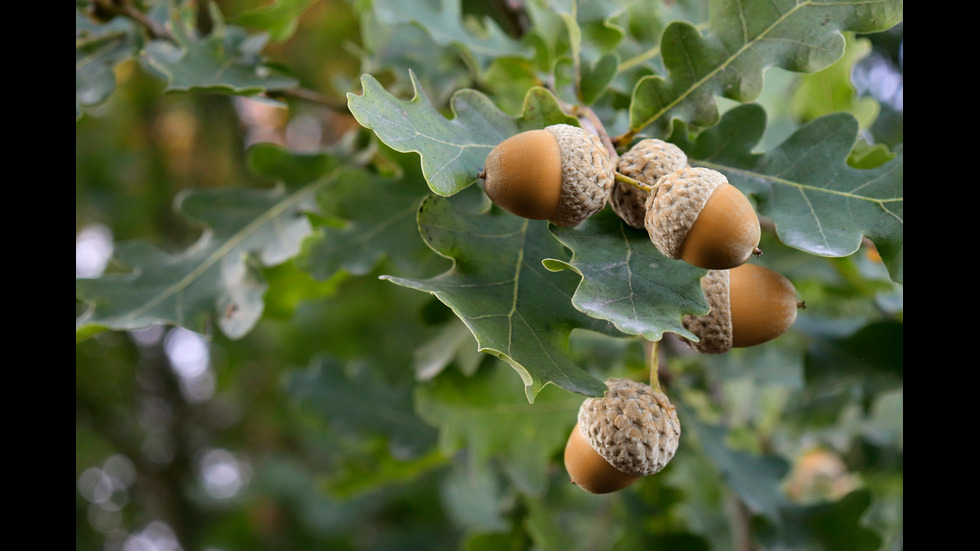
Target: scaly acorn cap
(694, 214)
(633, 427)
(714, 329)
(587, 175)
(647, 161)
(560, 173)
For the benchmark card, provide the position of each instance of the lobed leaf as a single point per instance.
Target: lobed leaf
(377, 221)
(366, 217)
(818, 203)
(871, 359)
(443, 20)
(452, 150)
(516, 309)
(781, 523)
(279, 19)
(356, 403)
(219, 277)
(627, 281)
(831, 90)
(480, 415)
(391, 48)
(798, 35)
(98, 49)
(226, 61)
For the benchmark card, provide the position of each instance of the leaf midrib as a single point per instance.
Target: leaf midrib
(803, 187)
(233, 241)
(711, 74)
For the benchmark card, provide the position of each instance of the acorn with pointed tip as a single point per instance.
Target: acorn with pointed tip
(695, 215)
(647, 161)
(750, 305)
(560, 173)
(629, 433)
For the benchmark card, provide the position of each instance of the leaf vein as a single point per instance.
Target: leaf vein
(233, 241)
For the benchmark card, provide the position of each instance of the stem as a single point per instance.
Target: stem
(633, 182)
(127, 9)
(311, 96)
(739, 520)
(625, 138)
(655, 365)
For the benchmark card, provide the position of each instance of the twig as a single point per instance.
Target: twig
(311, 96)
(655, 365)
(587, 115)
(127, 9)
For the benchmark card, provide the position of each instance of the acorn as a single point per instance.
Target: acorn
(647, 161)
(695, 215)
(559, 173)
(629, 433)
(749, 305)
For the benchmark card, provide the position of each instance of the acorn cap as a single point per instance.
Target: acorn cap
(633, 427)
(587, 175)
(647, 161)
(674, 207)
(714, 329)
(750, 305)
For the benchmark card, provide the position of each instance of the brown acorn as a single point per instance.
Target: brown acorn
(631, 432)
(559, 173)
(695, 215)
(749, 305)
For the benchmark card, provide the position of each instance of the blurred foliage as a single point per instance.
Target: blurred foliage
(349, 412)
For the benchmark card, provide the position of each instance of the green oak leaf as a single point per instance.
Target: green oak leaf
(627, 281)
(581, 36)
(356, 402)
(516, 309)
(452, 150)
(801, 36)
(568, 517)
(483, 415)
(832, 526)
(364, 217)
(758, 479)
(98, 49)
(871, 359)
(388, 49)
(443, 20)
(597, 76)
(219, 277)
(293, 169)
(831, 90)
(376, 218)
(475, 497)
(279, 18)
(453, 344)
(226, 61)
(818, 203)
(865, 155)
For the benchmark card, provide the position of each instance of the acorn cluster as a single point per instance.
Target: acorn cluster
(564, 174)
